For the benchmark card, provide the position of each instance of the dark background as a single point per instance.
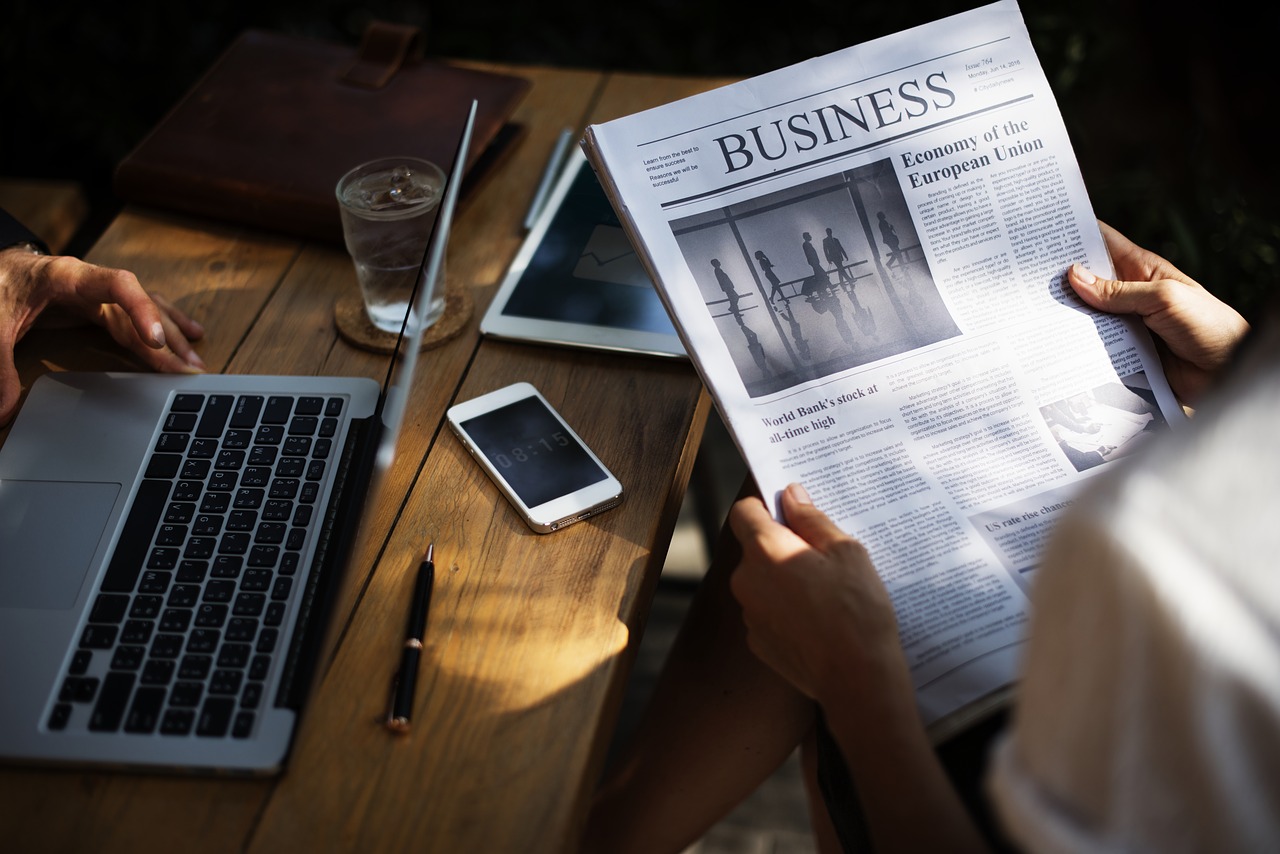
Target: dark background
(1167, 107)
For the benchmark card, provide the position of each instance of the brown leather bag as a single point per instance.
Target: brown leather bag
(264, 136)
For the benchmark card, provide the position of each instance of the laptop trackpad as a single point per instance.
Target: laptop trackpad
(48, 533)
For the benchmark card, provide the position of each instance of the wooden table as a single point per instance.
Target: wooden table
(531, 636)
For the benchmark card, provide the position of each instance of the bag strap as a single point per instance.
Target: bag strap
(384, 49)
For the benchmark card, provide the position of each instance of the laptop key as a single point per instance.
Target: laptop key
(304, 425)
(180, 422)
(278, 410)
(60, 716)
(269, 435)
(144, 713)
(259, 667)
(177, 722)
(137, 632)
(249, 604)
(216, 502)
(251, 698)
(135, 539)
(171, 443)
(146, 607)
(112, 699)
(80, 662)
(203, 641)
(186, 694)
(214, 418)
(163, 465)
(223, 481)
(163, 558)
(179, 512)
(167, 646)
(237, 440)
(157, 672)
(211, 616)
(78, 689)
(282, 588)
(187, 402)
(310, 405)
(196, 468)
(246, 412)
(193, 669)
(128, 657)
(243, 726)
(226, 682)
(202, 449)
(234, 656)
(184, 595)
(154, 581)
(98, 637)
(241, 629)
(215, 717)
(227, 566)
(255, 476)
(109, 608)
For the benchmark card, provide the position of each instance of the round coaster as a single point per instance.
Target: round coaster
(354, 326)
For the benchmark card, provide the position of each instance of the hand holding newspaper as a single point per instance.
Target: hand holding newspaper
(865, 257)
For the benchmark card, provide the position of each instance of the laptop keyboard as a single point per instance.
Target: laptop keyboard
(181, 637)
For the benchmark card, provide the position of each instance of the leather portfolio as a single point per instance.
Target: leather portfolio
(263, 137)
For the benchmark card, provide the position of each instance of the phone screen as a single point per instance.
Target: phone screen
(532, 450)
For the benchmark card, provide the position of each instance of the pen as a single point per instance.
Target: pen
(548, 177)
(402, 705)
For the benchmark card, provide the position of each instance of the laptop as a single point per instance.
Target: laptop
(169, 547)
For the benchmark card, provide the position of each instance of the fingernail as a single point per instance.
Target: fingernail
(799, 494)
(157, 334)
(1083, 275)
(193, 359)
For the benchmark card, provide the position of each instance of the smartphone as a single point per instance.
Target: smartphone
(544, 468)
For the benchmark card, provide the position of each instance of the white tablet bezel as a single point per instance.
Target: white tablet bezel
(499, 324)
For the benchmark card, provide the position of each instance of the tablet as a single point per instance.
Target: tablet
(576, 281)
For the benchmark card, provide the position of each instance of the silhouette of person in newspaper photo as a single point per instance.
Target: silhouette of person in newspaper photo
(835, 253)
(890, 238)
(726, 285)
(811, 258)
(775, 286)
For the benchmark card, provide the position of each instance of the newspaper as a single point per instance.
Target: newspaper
(865, 257)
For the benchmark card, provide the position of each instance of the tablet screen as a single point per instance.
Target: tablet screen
(576, 280)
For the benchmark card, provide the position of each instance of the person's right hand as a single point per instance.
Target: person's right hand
(1197, 331)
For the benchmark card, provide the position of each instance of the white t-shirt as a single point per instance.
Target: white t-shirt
(1148, 715)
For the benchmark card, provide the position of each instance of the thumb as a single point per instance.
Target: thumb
(1115, 296)
(807, 521)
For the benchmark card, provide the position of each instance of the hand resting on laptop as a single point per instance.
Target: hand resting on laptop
(152, 328)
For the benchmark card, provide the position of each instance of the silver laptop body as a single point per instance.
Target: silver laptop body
(169, 545)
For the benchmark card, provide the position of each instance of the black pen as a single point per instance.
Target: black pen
(406, 682)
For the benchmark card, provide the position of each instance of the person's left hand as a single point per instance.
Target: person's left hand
(814, 607)
(150, 327)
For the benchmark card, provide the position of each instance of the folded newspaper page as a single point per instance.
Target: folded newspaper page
(865, 257)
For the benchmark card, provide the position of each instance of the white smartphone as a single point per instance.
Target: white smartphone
(545, 470)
